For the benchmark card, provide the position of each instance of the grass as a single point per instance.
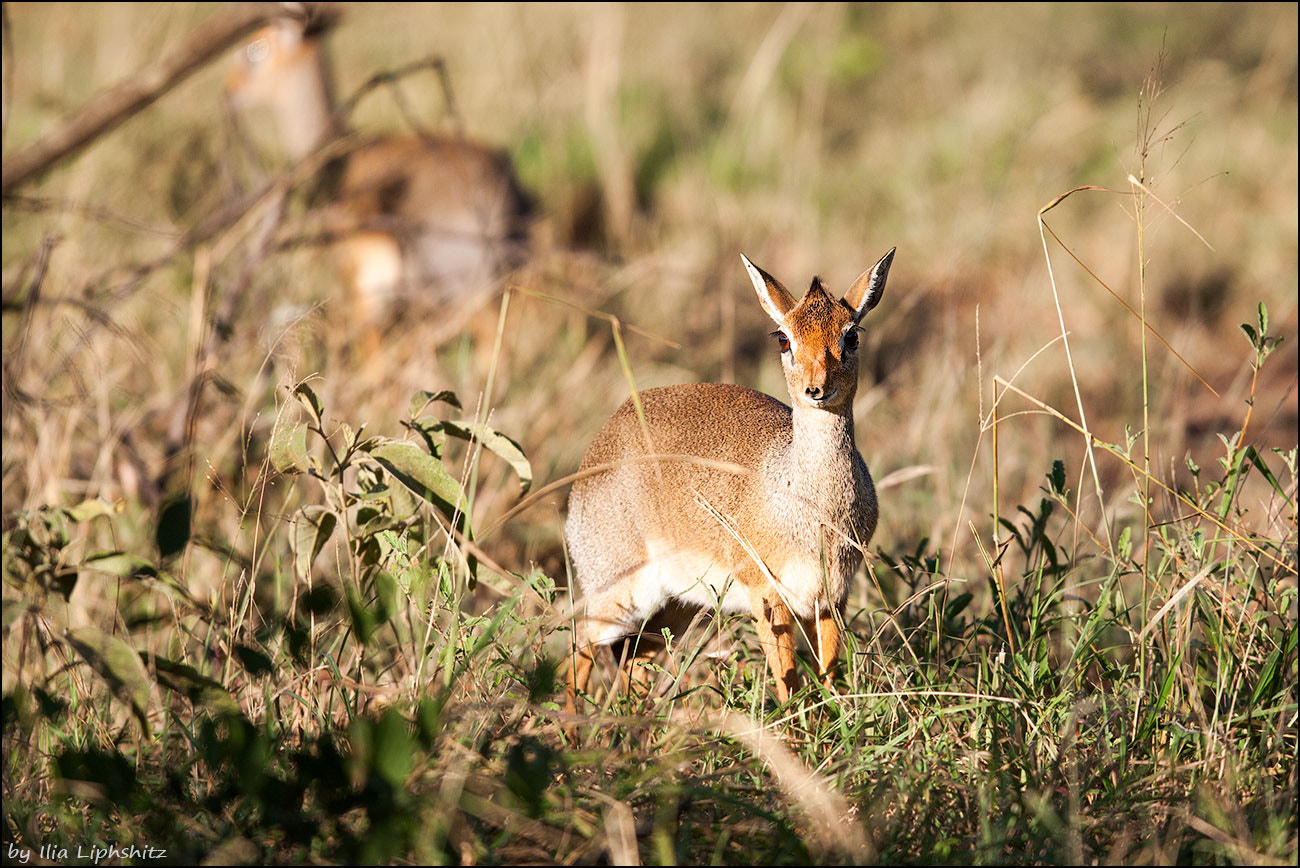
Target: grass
(263, 603)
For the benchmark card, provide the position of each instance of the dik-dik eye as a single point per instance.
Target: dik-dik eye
(782, 341)
(850, 341)
(257, 50)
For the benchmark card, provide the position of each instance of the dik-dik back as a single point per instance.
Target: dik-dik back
(718, 496)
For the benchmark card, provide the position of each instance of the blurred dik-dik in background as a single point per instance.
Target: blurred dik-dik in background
(431, 218)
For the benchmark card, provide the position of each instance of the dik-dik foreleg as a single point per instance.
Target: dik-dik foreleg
(776, 626)
(823, 634)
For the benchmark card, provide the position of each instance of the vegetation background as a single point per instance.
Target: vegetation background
(238, 630)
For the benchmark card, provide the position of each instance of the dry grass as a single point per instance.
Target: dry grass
(143, 364)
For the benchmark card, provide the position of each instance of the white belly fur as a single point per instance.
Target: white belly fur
(692, 577)
(699, 580)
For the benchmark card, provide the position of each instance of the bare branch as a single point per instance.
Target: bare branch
(110, 107)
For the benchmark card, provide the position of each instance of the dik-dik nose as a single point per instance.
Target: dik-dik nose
(818, 385)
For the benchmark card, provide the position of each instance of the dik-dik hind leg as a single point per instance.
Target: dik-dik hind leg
(776, 634)
(823, 634)
(632, 670)
(591, 633)
(370, 264)
(634, 665)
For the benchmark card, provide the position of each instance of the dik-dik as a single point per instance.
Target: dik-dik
(720, 497)
(435, 217)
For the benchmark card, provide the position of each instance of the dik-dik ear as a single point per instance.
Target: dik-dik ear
(774, 297)
(866, 291)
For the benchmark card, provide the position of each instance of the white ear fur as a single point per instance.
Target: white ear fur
(774, 297)
(869, 288)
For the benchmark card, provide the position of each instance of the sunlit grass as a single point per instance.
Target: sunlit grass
(261, 604)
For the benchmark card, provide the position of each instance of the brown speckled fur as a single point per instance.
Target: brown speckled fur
(718, 490)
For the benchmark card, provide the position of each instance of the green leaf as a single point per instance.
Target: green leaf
(119, 665)
(423, 399)
(1057, 477)
(394, 747)
(304, 393)
(96, 507)
(424, 475)
(312, 527)
(1167, 684)
(254, 661)
(1125, 545)
(385, 594)
(374, 523)
(431, 431)
(121, 564)
(498, 443)
(957, 605)
(173, 531)
(128, 566)
(364, 620)
(1269, 683)
(288, 449)
(199, 689)
(1252, 455)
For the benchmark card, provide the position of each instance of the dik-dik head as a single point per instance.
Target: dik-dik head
(284, 69)
(818, 335)
(290, 43)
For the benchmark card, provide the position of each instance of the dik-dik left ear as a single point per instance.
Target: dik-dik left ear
(866, 291)
(774, 297)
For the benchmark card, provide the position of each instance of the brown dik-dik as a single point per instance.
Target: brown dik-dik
(720, 497)
(435, 217)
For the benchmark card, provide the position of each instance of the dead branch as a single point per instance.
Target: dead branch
(110, 107)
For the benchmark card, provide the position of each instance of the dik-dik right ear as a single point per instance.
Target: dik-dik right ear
(774, 297)
(866, 291)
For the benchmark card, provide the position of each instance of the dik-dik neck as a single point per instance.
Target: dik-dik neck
(304, 107)
(822, 452)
